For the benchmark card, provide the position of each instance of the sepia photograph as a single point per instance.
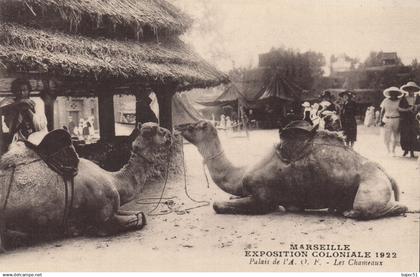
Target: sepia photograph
(209, 136)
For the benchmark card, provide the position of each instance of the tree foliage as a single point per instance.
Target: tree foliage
(305, 69)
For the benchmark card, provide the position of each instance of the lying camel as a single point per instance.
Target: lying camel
(310, 169)
(223, 173)
(36, 201)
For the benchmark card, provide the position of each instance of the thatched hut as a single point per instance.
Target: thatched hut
(101, 48)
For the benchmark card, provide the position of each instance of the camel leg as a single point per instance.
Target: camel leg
(13, 239)
(124, 212)
(391, 209)
(122, 221)
(245, 205)
(294, 209)
(374, 199)
(233, 197)
(2, 249)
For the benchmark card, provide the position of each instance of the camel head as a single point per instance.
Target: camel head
(199, 132)
(151, 138)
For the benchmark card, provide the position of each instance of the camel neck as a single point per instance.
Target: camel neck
(210, 149)
(131, 178)
(224, 174)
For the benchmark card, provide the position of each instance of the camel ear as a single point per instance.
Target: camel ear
(149, 131)
(203, 124)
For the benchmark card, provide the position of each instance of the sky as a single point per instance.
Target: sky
(231, 33)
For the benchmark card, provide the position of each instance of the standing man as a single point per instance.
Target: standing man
(144, 112)
(390, 118)
(348, 118)
(21, 116)
(307, 112)
(71, 126)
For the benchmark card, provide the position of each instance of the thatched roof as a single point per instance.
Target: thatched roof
(134, 19)
(24, 49)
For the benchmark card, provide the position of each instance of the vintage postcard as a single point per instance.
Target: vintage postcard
(209, 135)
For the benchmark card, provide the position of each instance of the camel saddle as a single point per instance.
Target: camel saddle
(57, 151)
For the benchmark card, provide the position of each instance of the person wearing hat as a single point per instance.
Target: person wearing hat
(314, 113)
(390, 118)
(408, 124)
(326, 103)
(348, 118)
(307, 112)
(24, 120)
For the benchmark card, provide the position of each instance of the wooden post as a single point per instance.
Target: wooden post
(164, 96)
(49, 100)
(106, 115)
(2, 143)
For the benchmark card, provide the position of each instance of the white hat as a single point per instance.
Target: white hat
(306, 104)
(388, 90)
(410, 85)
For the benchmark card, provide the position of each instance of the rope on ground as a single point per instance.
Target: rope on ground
(205, 174)
(203, 202)
(169, 201)
(150, 213)
(413, 212)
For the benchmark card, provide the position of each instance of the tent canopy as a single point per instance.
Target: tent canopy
(182, 110)
(230, 95)
(264, 84)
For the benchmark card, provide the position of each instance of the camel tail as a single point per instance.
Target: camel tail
(395, 188)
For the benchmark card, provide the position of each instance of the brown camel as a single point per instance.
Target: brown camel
(309, 169)
(312, 169)
(36, 201)
(224, 174)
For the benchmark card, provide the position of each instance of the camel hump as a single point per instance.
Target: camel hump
(57, 150)
(55, 141)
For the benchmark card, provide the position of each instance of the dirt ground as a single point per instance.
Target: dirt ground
(200, 240)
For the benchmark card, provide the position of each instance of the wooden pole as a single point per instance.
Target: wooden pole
(164, 96)
(49, 100)
(106, 115)
(2, 142)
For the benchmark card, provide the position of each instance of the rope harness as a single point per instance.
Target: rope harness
(170, 201)
(206, 160)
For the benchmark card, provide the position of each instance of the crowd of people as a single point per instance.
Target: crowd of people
(400, 118)
(83, 131)
(347, 111)
(398, 114)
